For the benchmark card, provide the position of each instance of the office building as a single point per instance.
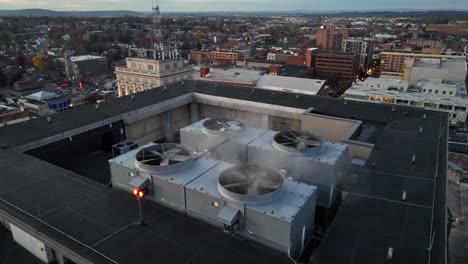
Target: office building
(362, 46)
(337, 65)
(87, 64)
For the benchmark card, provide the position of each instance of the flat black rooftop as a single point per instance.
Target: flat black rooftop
(371, 219)
(32, 189)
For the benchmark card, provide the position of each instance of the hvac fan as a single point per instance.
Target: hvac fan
(222, 125)
(297, 140)
(248, 182)
(162, 155)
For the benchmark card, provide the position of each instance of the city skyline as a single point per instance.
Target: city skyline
(242, 5)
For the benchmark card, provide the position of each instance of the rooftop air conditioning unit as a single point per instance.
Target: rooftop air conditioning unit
(167, 168)
(123, 147)
(224, 138)
(256, 203)
(306, 158)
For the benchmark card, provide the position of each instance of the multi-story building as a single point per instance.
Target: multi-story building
(46, 103)
(425, 43)
(199, 56)
(337, 65)
(434, 94)
(459, 28)
(362, 46)
(87, 64)
(392, 63)
(149, 68)
(219, 56)
(331, 37)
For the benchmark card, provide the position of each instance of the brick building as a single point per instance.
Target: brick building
(220, 56)
(331, 37)
(199, 56)
(459, 28)
(337, 65)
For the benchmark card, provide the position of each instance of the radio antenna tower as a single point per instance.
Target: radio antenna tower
(157, 31)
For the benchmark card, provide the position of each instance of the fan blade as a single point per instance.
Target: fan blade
(141, 156)
(290, 138)
(289, 144)
(235, 185)
(148, 160)
(155, 152)
(174, 150)
(179, 158)
(165, 161)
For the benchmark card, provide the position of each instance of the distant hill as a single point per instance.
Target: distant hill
(121, 13)
(51, 13)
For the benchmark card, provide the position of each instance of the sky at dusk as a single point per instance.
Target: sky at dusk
(235, 5)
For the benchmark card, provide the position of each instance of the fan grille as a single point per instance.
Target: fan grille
(250, 182)
(162, 155)
(297, 141)
(222, 125)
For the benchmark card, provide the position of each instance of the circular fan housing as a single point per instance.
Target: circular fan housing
(297, 141)
(250, 183)
(222, 126)
(162, 157)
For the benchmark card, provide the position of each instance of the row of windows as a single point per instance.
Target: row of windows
(406, 102)
(437, 91)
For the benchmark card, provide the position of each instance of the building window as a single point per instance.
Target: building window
(454, 115)
(150, 67)
(430, 90)
(424, 90)
(436, 91)
(444, 92)
(450, 92)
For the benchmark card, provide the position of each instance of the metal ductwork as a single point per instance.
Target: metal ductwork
(243, 200)
(224, 138)
(307, 159)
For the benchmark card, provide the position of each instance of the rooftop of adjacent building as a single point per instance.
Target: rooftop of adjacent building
(229, 75)
(335, 52)
(398, 89)
(85, 58)
(442, 64)
(292, 84)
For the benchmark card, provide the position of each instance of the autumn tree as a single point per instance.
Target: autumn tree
(41, 62)
(198, 35)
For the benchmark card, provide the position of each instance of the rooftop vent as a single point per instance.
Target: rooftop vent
(297, 141)
(162, 157)
(221, 125)
(250, 183)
